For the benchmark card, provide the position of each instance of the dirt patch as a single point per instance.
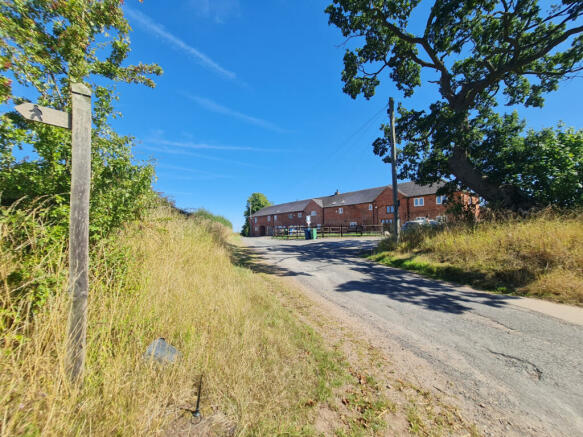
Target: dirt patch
(186, 425)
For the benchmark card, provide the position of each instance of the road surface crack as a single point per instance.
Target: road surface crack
(520, 363)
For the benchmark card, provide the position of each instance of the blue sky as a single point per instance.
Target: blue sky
(251, 100)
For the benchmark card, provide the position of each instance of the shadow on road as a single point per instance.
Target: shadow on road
(250, 259)
(394, 283)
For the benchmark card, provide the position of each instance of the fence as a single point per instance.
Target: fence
(298, 232)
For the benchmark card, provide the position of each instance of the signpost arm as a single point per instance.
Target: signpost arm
(394, 171)
(79, 230)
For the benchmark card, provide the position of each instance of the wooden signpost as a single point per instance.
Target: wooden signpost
(33, 112)
(79, 121)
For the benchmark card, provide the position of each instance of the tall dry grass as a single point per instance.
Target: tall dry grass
(165, 277)
(540, 256)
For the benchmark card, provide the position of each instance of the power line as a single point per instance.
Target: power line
(342, 146)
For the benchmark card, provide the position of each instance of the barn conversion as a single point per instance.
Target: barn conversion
(371, 206)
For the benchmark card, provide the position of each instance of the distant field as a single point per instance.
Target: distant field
(539, 257)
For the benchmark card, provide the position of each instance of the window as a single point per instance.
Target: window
(319, 225)
(256, 228)
(290, 216)
(340, 210)
(255, 219)
(299, 214)
(440, 199)
(353, 224)
(314, 214)
(418, 201)
(370, 206)
(268, 218)
(275, 218)
(387, 221)
(390, 209)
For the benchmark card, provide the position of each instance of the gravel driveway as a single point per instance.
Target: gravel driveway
(516, 366)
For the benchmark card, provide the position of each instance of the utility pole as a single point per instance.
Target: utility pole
(79, 122)
(394, 170)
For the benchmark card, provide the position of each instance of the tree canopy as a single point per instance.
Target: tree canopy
(475, 53)
(255, 202)
(44, 47)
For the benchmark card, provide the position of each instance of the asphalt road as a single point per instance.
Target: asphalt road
(520, 366)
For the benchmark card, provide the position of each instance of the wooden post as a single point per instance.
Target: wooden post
(394, 171)
(79, 231)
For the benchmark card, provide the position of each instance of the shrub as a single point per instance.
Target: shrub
(203, 214)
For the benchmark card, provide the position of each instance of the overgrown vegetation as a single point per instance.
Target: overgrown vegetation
(167, 276)
(44, 47)
(541, 256)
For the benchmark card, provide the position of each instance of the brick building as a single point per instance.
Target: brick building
(371, 206)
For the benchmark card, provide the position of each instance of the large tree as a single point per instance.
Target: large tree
(255, 202)
(44, 47)
(473, 51)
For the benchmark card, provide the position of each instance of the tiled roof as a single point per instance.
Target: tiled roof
(408, 189)
(353, 197)
(282, 208)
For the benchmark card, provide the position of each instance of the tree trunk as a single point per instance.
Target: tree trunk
(507, 197)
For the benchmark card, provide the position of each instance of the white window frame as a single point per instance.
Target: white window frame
(255, 219)
(268, 218)
(314, 214)
(440, 199)
(418, 201)
(275, 218)
(353, 224)
(299, 214)
(390, 209)
(370, 206)
(290, 216)
(256, 228)
(340, 210)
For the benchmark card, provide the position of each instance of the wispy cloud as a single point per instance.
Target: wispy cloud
(204, 146)
(220, 109)
(159, 30)
(170, 151)
(193, 173)
(218, 10)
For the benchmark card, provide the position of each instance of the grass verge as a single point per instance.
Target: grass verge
(264, 371)
(540, 257)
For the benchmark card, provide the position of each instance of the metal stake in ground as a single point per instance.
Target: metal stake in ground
(79, 230)
(394, 171)
(196, 412)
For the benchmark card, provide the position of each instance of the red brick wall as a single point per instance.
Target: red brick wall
(386, 199)
(407, 209)
(284, 219)
(350, 213)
